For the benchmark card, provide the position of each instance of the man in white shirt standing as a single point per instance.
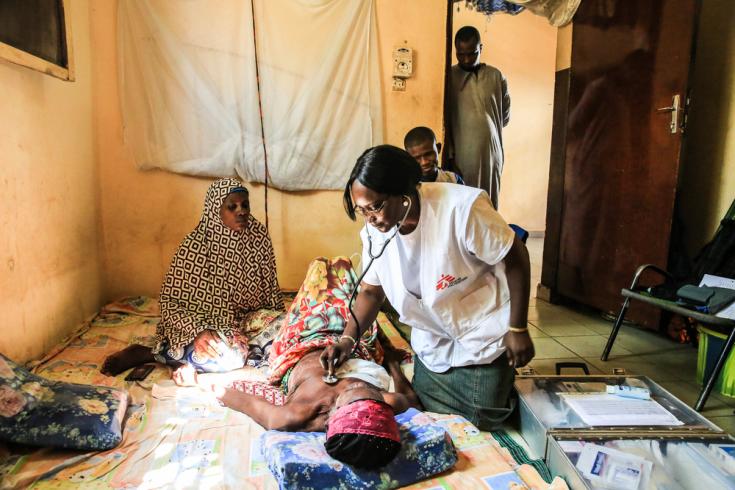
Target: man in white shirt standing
(479, 109)
(454, 271)
(421, 144)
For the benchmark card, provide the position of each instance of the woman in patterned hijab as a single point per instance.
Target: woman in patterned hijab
(221, 281)
(222, 271)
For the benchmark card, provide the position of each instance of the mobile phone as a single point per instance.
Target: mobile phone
(140, 373)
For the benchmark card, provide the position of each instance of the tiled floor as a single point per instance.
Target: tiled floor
(566, 334)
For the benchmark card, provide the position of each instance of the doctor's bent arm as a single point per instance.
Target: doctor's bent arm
(520, 348)
(489, 238)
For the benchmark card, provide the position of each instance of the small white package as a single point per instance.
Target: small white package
(613, 469)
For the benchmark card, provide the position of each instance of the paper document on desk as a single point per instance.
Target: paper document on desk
(720, 282)
(613, 410)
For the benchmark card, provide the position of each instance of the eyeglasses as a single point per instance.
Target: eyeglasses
(372, 209)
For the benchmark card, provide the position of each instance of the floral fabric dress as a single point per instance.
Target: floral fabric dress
(317, 318)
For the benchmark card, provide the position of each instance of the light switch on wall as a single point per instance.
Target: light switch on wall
(399, 84)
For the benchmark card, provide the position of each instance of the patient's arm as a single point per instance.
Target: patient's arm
(402, 385)
(295, 415)
(398, 402)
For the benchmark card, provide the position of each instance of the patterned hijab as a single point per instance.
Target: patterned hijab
(216, 277)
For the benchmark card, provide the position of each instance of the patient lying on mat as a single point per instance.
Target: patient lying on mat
(222, 272)
(357, 410)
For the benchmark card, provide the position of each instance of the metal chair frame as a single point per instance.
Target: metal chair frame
(670, 306)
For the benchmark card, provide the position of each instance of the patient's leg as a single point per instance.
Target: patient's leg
(131, 356)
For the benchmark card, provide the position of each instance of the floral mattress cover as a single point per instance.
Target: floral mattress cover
(181, 437)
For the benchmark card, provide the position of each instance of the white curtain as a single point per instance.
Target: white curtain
(558, 12)
(189, 89)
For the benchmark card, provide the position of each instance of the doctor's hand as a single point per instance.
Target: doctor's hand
(520, 349)
(334, 355)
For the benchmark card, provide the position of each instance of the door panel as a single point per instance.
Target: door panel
(621, 159)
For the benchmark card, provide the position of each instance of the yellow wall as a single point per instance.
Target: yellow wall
(49, 261)
(81, 225)
(145, 214)
(707, 183)
(564, 47)
(523, 47)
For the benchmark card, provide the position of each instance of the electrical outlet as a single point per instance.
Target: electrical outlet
(399, 84)
(402, 62)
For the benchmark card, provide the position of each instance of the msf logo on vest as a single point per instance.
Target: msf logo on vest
(447, 281)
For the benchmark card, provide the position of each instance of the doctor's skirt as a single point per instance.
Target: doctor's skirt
(480, 393)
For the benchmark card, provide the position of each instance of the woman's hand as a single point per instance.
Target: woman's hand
(207, 345)
(239, 342)
(335, 355)
(520, 349)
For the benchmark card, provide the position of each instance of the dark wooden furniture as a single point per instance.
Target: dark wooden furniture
(618, 116)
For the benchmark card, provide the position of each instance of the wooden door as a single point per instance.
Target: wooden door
(613, 184)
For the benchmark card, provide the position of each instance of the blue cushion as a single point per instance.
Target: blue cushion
(40, 412)
(299, 460)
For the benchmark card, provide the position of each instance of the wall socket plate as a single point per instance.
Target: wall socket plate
(402, 62)
(399, 84)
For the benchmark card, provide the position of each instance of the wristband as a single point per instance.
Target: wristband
(348, 337)
(518, 329)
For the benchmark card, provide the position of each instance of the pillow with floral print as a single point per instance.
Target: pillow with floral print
(299, 459)
(40, 412)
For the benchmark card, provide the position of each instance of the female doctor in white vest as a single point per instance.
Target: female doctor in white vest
(455, 272)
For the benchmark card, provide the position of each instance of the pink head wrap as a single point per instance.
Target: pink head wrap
(369, 417)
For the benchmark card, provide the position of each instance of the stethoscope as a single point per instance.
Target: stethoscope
(331, 379)
(372, 259)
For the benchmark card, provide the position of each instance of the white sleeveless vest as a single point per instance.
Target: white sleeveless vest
(464, 310)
